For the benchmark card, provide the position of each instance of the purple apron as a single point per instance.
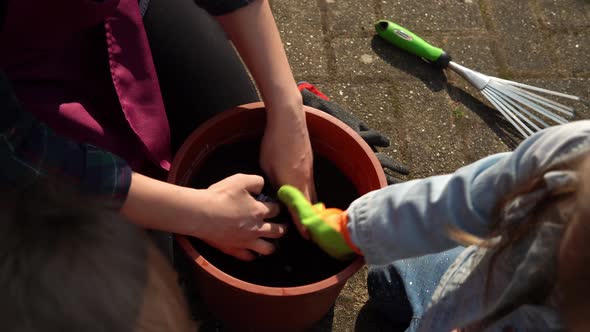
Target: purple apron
(86, 69)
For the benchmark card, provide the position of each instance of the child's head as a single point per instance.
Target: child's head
(559, 195)
(573, 284)
(568, 204)
(69, 265)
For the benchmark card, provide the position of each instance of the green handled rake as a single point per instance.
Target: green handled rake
(528, 112)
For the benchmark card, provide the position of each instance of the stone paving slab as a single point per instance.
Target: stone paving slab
(350, 18)
(564, 13)
(521, 38)
(473, 52)
(302, 35)
(436, 120)
(422, 110)
(375, 105)
(576, 86)
(373, 59)
(480, 128)
(571, 51)
(434, 15)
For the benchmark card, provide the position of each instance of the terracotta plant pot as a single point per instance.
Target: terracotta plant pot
(244, 305)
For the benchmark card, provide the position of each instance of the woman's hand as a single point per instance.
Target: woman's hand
(240, 219)
(286, 156)
(225, 215)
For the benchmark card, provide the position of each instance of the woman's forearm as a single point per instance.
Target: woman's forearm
(285, 152)
(253, 31)
(149, 205)
(225, 215)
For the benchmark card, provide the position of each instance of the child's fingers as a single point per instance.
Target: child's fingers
(299, 224)
(295, 200)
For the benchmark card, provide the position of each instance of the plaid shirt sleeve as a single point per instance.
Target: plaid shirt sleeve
(30, 149)
(221, 7)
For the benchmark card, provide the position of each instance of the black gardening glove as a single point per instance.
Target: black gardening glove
(372, 137)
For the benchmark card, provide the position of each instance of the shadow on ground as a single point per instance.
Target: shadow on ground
(369, 320)
(493, 119)
(432, 77)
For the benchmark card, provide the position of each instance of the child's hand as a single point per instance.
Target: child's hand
(327, 227)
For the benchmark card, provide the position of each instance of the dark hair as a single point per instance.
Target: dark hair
(67, 264)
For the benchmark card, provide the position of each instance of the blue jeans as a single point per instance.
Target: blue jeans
(402, 290)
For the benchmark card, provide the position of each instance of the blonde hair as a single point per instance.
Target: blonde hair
(163, 306)
(573, 280)
(571, 209)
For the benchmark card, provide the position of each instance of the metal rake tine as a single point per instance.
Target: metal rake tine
(530, 87)
(542, 100)
(500, 108)
(527, 103)
(515, 116)
(514, 113)
(518, 111)
(522, 109)
(531, 105)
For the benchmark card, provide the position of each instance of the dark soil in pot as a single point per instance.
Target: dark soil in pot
(296, 262)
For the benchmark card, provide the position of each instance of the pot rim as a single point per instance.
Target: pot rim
(203, 263)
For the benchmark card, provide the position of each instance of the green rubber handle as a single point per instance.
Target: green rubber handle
(409, 41)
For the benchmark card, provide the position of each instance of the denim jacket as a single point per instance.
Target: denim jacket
(411, 219)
